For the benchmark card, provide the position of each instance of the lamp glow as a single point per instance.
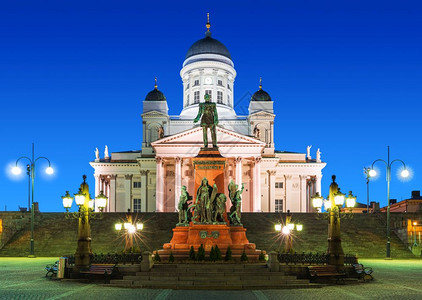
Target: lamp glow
(327, 205)
(16, 170)
(67, 200)
(139, 226)
(131, 229)
(317, 201)
(277, 227)
(91, 204)
(404, 173)
(372, 173)
(299, 227)
(126, 225)
(79, 198)
(350, 200)
(291, 226)
(49, 170)
(339, 198)
(285, 230)
(101, 201)
(118, 226)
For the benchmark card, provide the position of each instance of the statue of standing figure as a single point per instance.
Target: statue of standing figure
(235, 196)
(308, 152)
(318, 155)
(183, 206)
(97, 154)
(203, 196)
(208, 111)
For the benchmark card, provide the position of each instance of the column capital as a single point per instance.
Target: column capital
(113, 176)
(272, 172)
(257, 160)
(238, 159)
(178, 159)
(128, 176)
(144, 172)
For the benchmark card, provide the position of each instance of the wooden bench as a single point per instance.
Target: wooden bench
(99, 270)
(362, 272)
(327, 271)
(52, 269)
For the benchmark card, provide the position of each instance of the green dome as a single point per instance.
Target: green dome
(155, 95)
(261, 95)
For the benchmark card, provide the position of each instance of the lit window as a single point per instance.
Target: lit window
(219, 97)
(136, 184)
(196, 97)
(209, 92)
(278, 205)
(196, 83)
(220, 82)
(137, 205)
(278, 185)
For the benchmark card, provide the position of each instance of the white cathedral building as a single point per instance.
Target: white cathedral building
(150, 180)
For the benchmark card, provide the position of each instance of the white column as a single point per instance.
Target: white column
(239, 172)
(128, 193)
(271, 184)
(144, 191)
(112, 193)
(318, 184)
(159, 187)
(177, 182)
(257, 185)
(303, 195)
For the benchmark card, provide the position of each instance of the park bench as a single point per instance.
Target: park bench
(99, 270)
(52, 269)
(327, 271)
(364, 273)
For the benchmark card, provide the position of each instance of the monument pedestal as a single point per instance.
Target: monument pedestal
(209, 164)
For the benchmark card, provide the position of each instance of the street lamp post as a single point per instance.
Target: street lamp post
(287, 229)
(366, 172)
(130, 229)
(84, 215)
(332, 205)
(404, 174)
(30, 168)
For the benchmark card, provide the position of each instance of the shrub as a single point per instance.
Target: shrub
(261, 257)
(244, 257)
(217, 253)
(171, 257)
(157, 257)
(201, 253)
(228, 256)
(192, 255)
(212, 254)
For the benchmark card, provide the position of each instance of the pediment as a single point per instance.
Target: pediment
(154, 113)
(189, 142)
(262, 114)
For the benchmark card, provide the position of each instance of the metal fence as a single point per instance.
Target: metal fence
(111, 258)
(312, 258)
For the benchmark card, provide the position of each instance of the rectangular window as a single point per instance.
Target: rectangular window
(228, 86)
(220, 82)
(187, 99)
(137, 205)
(196, 82)
(196, 97)
(209, 92)
(228, 101)
(278, 185)
(136, 184)
(219, 97)
(278, 205)
(187, 86)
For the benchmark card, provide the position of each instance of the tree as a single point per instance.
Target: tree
(201, 253)
(157, 257)
(171, 257)
(228, 256)
(192, 255)
(244, 257)
(212, 254)
(217, 253)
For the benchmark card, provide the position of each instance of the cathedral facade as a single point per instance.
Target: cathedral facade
(150, 180)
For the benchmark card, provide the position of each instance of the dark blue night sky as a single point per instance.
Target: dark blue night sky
(345, 76)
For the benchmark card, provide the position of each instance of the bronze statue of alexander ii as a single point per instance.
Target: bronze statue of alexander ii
(208, 111)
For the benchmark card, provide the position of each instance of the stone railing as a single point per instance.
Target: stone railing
(312, 258)
(111, 258)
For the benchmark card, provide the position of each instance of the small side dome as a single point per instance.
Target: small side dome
(155, 94)
(260, 95)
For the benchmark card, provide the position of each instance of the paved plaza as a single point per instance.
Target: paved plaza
(23, 278)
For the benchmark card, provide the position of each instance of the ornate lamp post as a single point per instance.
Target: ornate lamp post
(366, 172)
(404, 173)
(287, 229)
(84, 214)
(30, 168)
(332, 205)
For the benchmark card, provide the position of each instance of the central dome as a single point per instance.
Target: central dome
(208, 45)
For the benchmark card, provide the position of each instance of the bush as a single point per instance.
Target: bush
(244, 257)
(171, 257)
(201, 253)
(217, 253)
(192, 255)
(228, 256)
(212, 254)
(157, 257)
(261, 257)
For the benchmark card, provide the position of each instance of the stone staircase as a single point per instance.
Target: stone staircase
(212, 276)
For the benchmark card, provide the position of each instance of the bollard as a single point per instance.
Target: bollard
(273, 263)
(146, 263)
